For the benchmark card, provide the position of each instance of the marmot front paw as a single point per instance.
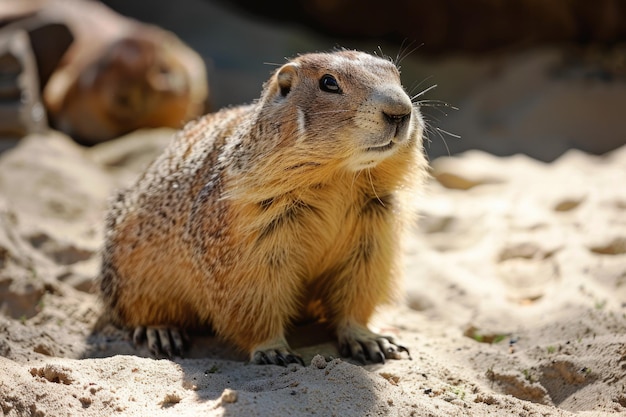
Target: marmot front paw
(162, 340)
(361, 344)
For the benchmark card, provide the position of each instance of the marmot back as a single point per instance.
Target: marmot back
(258, 215)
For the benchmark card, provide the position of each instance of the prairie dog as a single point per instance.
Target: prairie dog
(258, 215)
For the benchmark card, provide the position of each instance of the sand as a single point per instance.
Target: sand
(515, 302)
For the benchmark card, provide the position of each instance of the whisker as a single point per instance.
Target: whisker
(399, 52)
(448, 133)
(382, 54)
(438, 108)
(431, 118)
(415, 87)
(435, 131)
(369, 175)
(402, 55)
(441, 132)
(435, 103)
(444, 141)
(432, 87)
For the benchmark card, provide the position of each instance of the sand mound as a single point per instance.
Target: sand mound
(515, 283)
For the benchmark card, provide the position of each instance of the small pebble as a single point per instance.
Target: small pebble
(318, 361)
(229, 396)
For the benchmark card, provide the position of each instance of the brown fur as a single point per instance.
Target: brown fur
(256, 213)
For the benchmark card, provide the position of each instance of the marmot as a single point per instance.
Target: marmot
(258, 215)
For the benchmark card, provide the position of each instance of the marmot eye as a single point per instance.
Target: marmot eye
(329, 84)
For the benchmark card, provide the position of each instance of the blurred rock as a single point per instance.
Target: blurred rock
(21, 110)
(116, 75)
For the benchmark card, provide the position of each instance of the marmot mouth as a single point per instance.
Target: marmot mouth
(382, 148)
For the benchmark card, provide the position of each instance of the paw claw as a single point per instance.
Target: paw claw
(403, 349)
(280, 359)
(260, 358)
(295, 359)
(344, 350)
(359, 357)
(281, 356)
(153, 341)
(160, 340)
(166, 345)
(361, 344)
(178, 345)
(139, 336)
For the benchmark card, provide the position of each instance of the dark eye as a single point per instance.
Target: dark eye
(329, 84)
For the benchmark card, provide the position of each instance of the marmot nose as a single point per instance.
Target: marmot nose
(396, 107)
(397, 112)
(395, 118)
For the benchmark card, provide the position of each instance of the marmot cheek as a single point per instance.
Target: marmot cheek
(301, 132)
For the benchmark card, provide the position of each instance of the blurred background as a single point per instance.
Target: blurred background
(527, 76)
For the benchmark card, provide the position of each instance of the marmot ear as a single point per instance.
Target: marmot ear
(286, 77)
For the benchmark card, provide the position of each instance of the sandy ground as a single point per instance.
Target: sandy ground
(515, 300)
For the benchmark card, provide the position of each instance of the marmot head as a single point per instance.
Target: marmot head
(344, 106)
